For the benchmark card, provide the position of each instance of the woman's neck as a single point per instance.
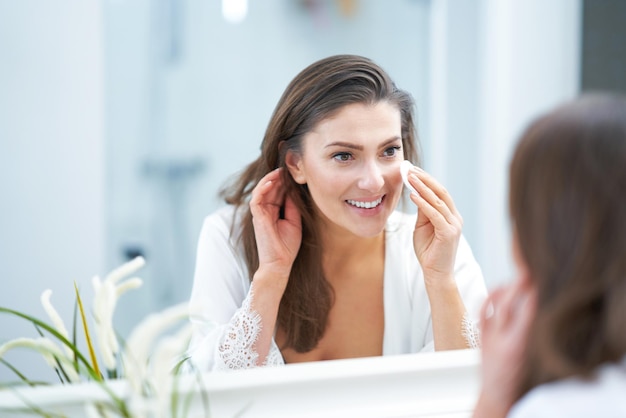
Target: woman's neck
(342, 247)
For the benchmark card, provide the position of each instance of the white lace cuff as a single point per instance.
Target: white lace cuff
(274, 357)
(236, 347)
(470, 332)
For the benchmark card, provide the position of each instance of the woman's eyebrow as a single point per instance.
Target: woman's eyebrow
(344, 145)
(360, 147)
(390, 141)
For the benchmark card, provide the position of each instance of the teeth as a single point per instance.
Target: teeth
(366, 205)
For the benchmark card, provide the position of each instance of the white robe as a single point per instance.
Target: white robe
(221, 286)
(602, 396)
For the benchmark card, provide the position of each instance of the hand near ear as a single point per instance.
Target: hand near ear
(505, 321)
(278, 240)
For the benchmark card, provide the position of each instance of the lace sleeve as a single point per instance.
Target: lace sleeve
(470, 332)
(236, 346)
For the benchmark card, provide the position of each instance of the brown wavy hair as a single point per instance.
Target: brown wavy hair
(568, 207)
(316, 93)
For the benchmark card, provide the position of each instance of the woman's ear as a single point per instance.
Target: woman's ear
(294, 165)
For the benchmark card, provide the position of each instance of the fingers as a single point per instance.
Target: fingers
(292, 214)
(440, 216)
(510, 307)
(525, 309)
(445, 223)
(434, 200)
(488, 309)
(436, 190)
(268, 193)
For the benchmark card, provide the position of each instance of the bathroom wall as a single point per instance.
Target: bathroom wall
(52, 171)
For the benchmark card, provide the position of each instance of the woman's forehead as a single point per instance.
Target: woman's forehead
(358, 121)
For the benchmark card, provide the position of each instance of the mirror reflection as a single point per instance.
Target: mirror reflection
(189, 96)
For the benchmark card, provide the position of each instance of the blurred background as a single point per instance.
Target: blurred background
(120, 119)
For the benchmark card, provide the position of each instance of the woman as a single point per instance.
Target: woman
(554, 341)
(310, 260)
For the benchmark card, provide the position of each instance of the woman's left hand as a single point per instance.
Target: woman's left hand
(438, 227)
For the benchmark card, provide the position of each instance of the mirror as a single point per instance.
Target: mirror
(120, 119)
(190, 93)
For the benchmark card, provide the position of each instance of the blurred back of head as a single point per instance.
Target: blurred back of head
(568, 209)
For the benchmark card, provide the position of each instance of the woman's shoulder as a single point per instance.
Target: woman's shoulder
(219, 241)
(224, 216)
(602, 395)
(225, 221)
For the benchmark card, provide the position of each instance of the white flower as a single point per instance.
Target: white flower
(56, 319)
(49, 351)
(162, 362)
(103, 307)
(138, 345)
(106, 294)
(125, 269)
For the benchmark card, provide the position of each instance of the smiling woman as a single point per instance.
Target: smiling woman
(310, 260)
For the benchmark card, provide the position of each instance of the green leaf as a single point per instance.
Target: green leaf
(23, 378)
(92, 353)
(20, 383)
(51, 330)
(74, 339)
(60, 370)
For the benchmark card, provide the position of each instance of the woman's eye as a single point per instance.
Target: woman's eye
(391, 151)
(342, 156)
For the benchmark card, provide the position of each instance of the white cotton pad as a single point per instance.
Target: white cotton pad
(405, 166)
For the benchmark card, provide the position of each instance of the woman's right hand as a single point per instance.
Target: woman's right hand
(278, 239)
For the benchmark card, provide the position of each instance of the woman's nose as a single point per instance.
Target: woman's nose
(371, 178)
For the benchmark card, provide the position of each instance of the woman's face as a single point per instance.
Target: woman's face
(351, 165)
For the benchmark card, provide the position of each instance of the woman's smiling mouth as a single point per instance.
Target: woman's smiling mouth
(365, 205)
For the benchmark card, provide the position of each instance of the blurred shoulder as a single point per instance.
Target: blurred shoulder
(603, 395)
(225, 221)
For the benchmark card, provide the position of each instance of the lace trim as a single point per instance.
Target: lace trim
(236, 349)
(274, 357)
(470, 332)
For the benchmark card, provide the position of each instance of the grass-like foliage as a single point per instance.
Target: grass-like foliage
(149, 361)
